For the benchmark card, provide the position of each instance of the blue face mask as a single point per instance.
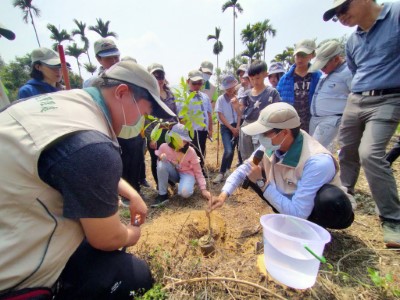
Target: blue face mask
(266, 142)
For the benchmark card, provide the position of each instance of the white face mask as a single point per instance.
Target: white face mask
(132, 131)
(206, 77)
(266, 142)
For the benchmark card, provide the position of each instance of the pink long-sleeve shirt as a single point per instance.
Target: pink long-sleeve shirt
(188, 163)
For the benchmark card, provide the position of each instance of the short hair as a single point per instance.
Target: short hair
(295, 131)
(35, 73)
(257, 67)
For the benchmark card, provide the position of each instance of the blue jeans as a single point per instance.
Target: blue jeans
(167, 171)
(229, 147)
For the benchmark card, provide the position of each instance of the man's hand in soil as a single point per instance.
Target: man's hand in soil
(206, 194)
(137, 207)
(217, 202)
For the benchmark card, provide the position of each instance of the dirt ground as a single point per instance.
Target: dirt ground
(170, 244)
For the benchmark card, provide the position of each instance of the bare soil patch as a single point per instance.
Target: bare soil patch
(170, 244)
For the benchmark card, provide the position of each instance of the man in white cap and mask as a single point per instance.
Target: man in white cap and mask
(296, 175)
(208, 88)
(331, 94)
(372, 113)
(59, 196)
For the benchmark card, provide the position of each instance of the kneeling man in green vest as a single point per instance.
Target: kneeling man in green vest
(295, 175)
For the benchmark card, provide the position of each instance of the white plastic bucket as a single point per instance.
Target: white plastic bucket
(285, 256)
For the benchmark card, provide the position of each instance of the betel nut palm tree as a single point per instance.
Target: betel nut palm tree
(235, 7)
(102, 28)
(81, 31)
(263, 29)
(75, 51)
(27, 9)
(58, 35)
(218, 47)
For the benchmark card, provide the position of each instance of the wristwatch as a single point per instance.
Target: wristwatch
(260, 182)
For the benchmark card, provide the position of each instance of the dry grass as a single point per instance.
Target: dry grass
(169, 244)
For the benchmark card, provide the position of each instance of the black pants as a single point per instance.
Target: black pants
(332, 208)
(153, 155)
(96, 274)
(200, 139)
(132, 160)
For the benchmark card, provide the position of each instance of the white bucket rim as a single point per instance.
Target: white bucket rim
(325, 239)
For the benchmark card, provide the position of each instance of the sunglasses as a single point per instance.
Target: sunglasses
(197, 82)
(342, 9)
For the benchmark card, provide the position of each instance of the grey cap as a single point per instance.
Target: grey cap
(155, 67)
(206, 67)
(181, 131)
(275, 68)
(195, 75)
(105, 47)
(228, 81)
(278, 115)
(306, 46)
(243, 68)
(130, 72)
(46, 56)
(329, 14)
(324, 53)
(7, 33)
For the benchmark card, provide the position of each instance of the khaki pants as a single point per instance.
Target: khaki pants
(367, 125)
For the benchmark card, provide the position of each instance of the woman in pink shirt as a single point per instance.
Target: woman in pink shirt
(179, 165)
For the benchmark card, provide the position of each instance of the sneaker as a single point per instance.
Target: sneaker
(391, 234)
(145, 183)
(218, 178)
(160, 201)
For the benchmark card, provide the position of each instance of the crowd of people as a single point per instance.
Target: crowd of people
(73, 156)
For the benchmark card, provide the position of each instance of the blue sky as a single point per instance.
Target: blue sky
(171, 32)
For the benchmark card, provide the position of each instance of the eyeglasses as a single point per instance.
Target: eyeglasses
(54, 67)
(268, 133)
(301, 54)
(342, 9)
(200, 82)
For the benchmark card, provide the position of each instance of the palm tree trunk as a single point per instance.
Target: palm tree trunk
(265, 45)
(34, 27)
(218, 136)
(234, 64)
(79, 68)
(87, 53)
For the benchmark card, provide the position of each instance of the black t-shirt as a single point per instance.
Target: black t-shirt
(85, 167)
(301, 103)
